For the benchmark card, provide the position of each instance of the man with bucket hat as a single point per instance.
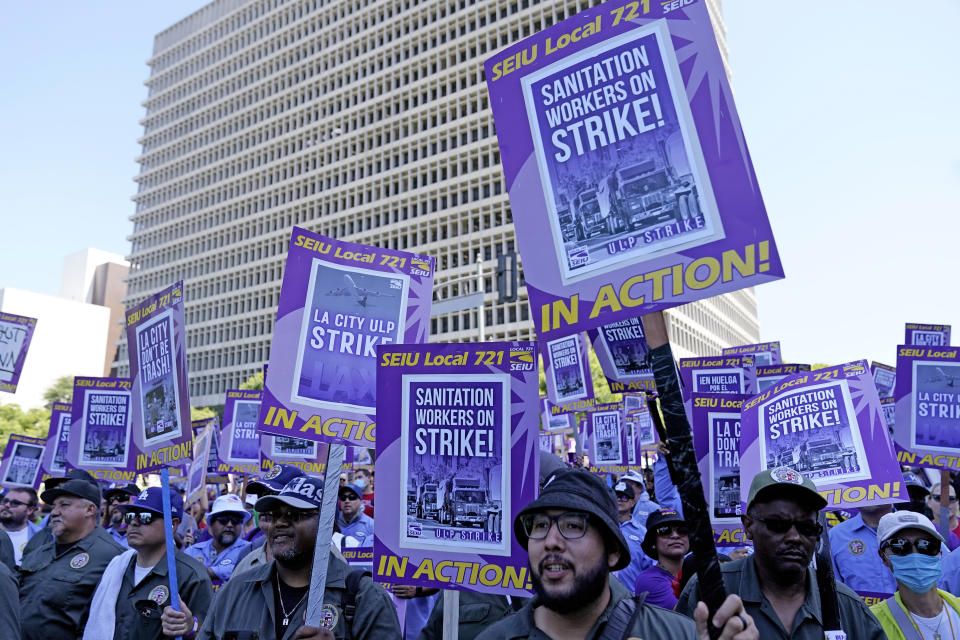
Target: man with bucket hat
(221, 553)
(57, 578)
(270, 600)
(777, 585)
(133, 600)
(572, 536)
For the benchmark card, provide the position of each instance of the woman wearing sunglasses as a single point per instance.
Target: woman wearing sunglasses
(910, 547)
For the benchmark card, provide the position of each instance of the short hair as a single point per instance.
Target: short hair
(31, 493)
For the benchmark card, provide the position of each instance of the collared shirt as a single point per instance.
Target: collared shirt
(633, 532)
(193, 587)
(361, 528)
(740, 577)
(856, 563)
(118, 536)
(658, 583)
(950, 580)
(651, 623)
(223, 563)
(247, 604)
(56, 590)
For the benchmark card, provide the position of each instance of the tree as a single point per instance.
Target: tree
(60, 391)
(253, 382)
(13, 419)
(201, 413)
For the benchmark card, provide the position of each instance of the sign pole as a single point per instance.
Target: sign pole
(168, 533)
(451, 614)
(321, 553)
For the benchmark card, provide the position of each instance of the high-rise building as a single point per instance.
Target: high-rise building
(365, 120)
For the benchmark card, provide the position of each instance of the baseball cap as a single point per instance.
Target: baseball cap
(578, 490)
(274, 480)
(303, 493)
(229, 504)
(634, 476)
(782, 482)
(115, 488)
(915, 485)
(891, 523)
(654, 520)
(151, 499)
(625, 489)
(549, 463)
(350, 487)
(76, 483)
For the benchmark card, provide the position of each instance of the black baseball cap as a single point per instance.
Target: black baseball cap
(578, 490)
(305, 493)
(116, 488)
(274, 480)
(76, 483)
(624, 488)
(654, 521)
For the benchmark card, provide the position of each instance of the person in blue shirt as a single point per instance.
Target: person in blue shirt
(351, 519)
(633, 531)
(854, 547)
(225, 548)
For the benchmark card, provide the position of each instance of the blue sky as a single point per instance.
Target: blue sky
(849, 111)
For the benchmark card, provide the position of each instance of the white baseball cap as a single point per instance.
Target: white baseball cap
(891, 523)
(229, 504)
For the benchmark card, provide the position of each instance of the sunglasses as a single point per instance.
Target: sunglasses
(904, 547)
(292, 517)
(571, 526)
(225, 520)
(623, 498)
(118, 499)
(668, 529)
(144, 517)
(936, 497)
(806, 528)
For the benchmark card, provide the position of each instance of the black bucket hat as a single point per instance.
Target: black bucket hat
(578, 490)
(654, 520)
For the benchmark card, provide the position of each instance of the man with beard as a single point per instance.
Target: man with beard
(573, 540)
(57, 578)
(225, 548)
(16, 517)
(271, 600)
(116, 494)
(777, 584)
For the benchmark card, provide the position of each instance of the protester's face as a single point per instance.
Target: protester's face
(349, 504)
(913, 535)
(933, 501)
(625, 506)
(70, 516)
(785, 555)
(292, 534)
(671, 543)
(147, 536)
(225, 528)
(15, 509)
(569, 574)
(113, 512)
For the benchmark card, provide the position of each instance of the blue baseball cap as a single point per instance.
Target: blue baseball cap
(151, 499)
(274, 480)
(352, 488)
(304, 493)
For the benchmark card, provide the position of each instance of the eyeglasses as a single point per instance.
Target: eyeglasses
(571, 526)
(806, 528)
(904, 547)
(225, 520)
(936, 497)
(118, 499)
(668, 529)
(144, 517)
(292, 517)
(14, 503)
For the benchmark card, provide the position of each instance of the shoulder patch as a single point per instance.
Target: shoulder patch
(331, 615)
(159, 594)
(79, 561)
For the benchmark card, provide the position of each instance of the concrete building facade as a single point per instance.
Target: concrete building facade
(364, 120)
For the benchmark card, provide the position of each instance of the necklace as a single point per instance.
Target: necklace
(286, 616)
(936, 630)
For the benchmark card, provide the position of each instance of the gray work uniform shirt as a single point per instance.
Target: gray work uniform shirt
(246, 603)
(740, 577)
(650, 623)
(9, 604)
(193, 585)
(56, 590)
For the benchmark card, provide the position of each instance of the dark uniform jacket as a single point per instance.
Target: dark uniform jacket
(740, 577)
(193, 585)
(650, 623)
(56, 590)
(6, 552)
(477, 612)
(246, 603)
(9, 604)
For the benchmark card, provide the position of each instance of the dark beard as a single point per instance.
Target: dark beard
(586, 589)
(294, 559)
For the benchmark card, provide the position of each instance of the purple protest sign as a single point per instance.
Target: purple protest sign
(626, 165)
(889, 408)
(20, 466)
(16, 332)
(826, 424)
(567, 369)
(622, 350)
(160, 412)
(927, 397)
(603, 433)
(885, 377)
(458, 436)
(213, 458)
(731, 375)
(640, 430)
(100, 432)
(769, 375)
(545, 441)
(199, 466)
(309, 456)
(764, 353)
(54, 460)
(338, 302)
(927, 335)
(550, 421)
(716, 439)
(239, 450)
